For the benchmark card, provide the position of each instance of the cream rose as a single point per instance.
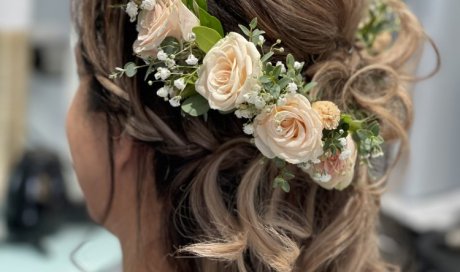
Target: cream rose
(291, 132)
(169, 18)
(336, 172)
(230, 69)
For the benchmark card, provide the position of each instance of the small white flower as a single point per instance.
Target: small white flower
(132, 10)
(244, 113)
(162, 73)
(345, 154)
(250, 97)
(175, 101)
(281, 49)
(298, 65)
(163, 92)
(292, 87)
(259, 103)
(324, 177)
(343, 142)
(191, 60)
(170, 63)
(162, 56)
(304, 166)
(191, 37)
(248, 129)
(341, 131)
(148, 4)
(316, 161)
(180, 83)
(281, 101)
(261, 40)
(283, 68)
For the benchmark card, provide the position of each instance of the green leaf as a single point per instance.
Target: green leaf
(206, 37)
(195, 105)
(290, 61)
(245, 30)
(210, 21)
(284, 82)
(286, 187)
(307, 88)
(202, 4)
(288, 176)
(280, 163)
(267, 56)
(188, 91)
(265, 79)
(375, 128)
(275, 90)
(130, 69)
(277, 72)
(170, 45)
(253, 23)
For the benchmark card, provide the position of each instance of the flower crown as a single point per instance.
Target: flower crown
(203, 68)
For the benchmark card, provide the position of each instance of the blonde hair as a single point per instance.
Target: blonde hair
(216, 186)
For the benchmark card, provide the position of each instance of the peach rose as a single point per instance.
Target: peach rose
(292, 131)
(230, 69)
(336, 172)
(169, 18)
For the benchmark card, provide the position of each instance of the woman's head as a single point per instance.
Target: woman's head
(212, 184)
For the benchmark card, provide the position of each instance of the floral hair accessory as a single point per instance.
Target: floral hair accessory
(202, 68)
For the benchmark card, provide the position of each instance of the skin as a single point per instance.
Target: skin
(138, 231)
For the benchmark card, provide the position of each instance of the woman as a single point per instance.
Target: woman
(189, 193)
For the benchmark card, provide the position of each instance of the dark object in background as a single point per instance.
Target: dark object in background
(37, 203)
(437, 255)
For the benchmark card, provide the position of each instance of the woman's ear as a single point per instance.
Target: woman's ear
(124, 152)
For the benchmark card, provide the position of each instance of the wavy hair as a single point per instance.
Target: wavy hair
(220, 204)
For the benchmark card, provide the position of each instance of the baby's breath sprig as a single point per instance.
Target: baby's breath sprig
(378, 27)
(366, 133)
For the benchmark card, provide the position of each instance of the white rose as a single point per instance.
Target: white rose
(292, 131)
(230, 69)
(169, 18)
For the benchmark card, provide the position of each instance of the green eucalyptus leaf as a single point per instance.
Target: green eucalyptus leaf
(130, 69)
(195, 105)
(206, 37)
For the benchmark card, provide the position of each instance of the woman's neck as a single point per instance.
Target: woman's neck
(139, 228)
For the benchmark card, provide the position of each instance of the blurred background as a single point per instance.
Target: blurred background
(43, 222)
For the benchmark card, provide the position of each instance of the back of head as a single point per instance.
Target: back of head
(217, 188)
